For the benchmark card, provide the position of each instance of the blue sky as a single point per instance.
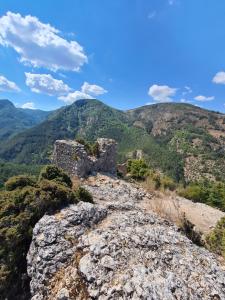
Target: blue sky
(124, 52)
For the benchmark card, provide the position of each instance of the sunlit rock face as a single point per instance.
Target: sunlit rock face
(116, 249)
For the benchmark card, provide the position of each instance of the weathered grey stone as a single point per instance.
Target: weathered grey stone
(72, 157)
(63, 294)
(111, 252)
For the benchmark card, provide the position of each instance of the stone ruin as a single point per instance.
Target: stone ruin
(73, 158)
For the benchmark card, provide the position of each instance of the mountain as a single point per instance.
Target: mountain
(184, 141)
(14, 120)
(197, 134)
(87, 118)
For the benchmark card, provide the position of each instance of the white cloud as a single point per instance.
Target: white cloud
(46, 84)
(185, 101)
(7, 85)
(72, 97)
(39, 44)
(162, 93)
(219, 78)
(29, 105)
(204, 98)
(188, 90)
(152, 15)
(92, 89)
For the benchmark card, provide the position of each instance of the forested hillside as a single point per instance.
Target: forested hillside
(182, 140)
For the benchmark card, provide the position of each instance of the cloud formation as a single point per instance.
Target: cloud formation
(171, 2)
(7, 85)
(39, 44)
(46, 84)
(152, 15)
(162, 93)
(204, 98)
(29, 105)
(92, 89)
(219, 78)
(88, 91)
(188, 90)
(185, 101)
(72, 97)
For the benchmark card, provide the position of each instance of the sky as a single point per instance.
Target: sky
(126, 53)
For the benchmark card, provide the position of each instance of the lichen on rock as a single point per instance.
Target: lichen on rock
(115, 249)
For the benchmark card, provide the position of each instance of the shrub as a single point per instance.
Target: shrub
(211, 193)
(157, 180)
(91, 149)
(53, 195)
(19, 182)
(95, 149)
(21, 206)
(192, 192)
(137, 168)
(83, 195)
(51, 172)
(81, 141)
(216, 239)
(168, 183)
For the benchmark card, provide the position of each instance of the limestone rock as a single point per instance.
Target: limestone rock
(114, 249)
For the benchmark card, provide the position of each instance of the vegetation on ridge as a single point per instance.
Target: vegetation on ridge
(189, 138)
(23, 202)
(216, 239)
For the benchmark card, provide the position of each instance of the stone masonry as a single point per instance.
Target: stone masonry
(72, 157)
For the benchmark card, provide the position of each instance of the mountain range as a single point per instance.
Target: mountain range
(182, 140)
(14, 120)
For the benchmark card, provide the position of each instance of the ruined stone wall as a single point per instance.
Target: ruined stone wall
(72, 157)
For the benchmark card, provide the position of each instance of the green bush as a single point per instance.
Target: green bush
(90, 148)
(51, 172)
(83, 195)
(216, 239)
(11, 169)
(211, 193)
(137, 168)
(157, 180)
(19, 182)
(53, 195)
(95, 149)
(168, 183)
(21, 206)
(192, 192)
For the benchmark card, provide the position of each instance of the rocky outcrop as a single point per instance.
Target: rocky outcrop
(72, 157)
(115, 249)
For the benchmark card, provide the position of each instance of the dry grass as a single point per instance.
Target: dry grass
(76, 182)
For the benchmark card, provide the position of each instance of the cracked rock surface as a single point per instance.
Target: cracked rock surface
(114, 249)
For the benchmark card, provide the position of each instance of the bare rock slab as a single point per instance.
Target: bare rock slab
(115, 249)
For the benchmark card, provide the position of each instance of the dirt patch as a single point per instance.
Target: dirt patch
(173, 207)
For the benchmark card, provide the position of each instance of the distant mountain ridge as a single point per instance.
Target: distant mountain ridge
(14, 120)
(182, 140)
